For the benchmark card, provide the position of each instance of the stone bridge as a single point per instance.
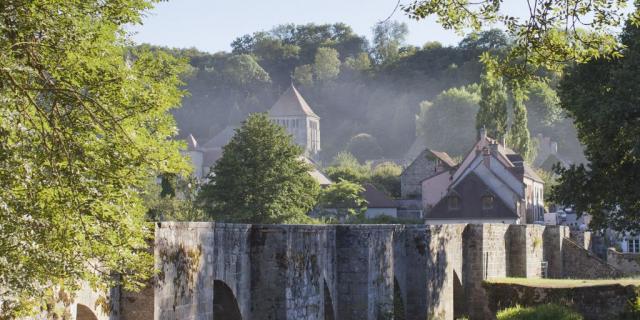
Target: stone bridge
(236, 271)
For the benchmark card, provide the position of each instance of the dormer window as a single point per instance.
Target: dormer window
(453, 202)
(487, 202)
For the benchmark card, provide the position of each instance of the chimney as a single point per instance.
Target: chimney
(483, 133)
(486, 154)
(494, 148)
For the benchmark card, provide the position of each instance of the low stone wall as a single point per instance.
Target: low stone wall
(628, 263)
(583, 264)
(602, 302)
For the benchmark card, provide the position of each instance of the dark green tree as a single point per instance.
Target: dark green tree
(386, 176)
(518, 137)
(493, 114)
(260, 177)
(341, 201)
(603, 99)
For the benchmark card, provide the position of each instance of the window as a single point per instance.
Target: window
(633, 245)
(487, 202)
(454, 202)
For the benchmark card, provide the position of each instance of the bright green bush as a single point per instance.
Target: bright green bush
(542, 312)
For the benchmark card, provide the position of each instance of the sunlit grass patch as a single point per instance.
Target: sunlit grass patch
(541, 312)
(565, 283)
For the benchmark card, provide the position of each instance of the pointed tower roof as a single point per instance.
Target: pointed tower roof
(291, 103)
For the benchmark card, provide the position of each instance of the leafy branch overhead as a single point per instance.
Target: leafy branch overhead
(552, 34)
(84, 123)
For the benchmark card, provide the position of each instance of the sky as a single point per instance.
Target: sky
(211, 25)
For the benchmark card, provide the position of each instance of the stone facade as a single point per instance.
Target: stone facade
(236, 271)
(583, 264)
(422, 167)
(627, 263)
(603, 302)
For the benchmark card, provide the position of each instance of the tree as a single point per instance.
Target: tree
(361, 62)
(447, 124)
(554, 34)
(386, 176)
(347, 167)
(364, 147)
(84, 125)
(341, 201)
(243, 70)
(518, 137)
(493, 107)
(388, 37)
(173, 200)
(602, 98)
(326, 64)
(303, 75)
(260, 177)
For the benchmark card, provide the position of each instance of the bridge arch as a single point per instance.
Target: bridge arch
(225, 305)
(84, 313)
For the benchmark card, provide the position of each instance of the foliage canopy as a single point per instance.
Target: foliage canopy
(555, 32)
(451, 117)
(602, 98)
(84, 125)
(260, 178)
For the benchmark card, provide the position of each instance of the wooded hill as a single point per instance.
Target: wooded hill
(357, 87)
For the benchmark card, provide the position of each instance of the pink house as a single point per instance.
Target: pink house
(492, 184)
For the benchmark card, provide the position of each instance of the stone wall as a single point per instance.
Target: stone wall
(627, 263)
(525, 251)
(552, 244)
(236, 271)
(411, 178)
(484, 257)
(583, 264)
(603, 302)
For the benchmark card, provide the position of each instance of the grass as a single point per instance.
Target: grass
(565, 283)
(541, 312)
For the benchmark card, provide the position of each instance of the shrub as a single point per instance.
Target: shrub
(541, 312)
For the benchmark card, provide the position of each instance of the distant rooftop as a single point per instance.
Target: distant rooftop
(291, 103)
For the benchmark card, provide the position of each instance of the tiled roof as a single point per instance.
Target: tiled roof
(291, 103)
(221, 139)
(376, 198)
(444, 157)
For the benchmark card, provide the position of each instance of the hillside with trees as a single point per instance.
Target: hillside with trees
(372, 96)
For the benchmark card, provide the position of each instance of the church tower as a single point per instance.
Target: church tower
(293, 113)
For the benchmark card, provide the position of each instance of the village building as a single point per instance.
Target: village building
(426, 164)
(291, 111)
(493, 184)
(378, 203)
